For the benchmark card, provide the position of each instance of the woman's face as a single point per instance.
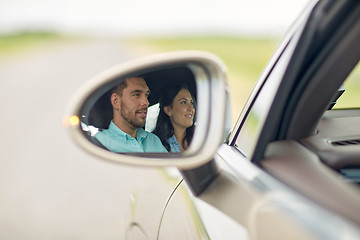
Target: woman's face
(182, 111)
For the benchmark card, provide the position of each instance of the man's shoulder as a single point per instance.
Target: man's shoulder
(145, 134)
(152, 142)
(152, 135)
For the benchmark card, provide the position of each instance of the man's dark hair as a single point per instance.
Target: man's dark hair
(118, 89)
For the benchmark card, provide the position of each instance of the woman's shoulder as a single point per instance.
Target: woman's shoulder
(174, 145)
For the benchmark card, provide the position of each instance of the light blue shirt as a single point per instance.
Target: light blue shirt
(174, 145)
(115, 140)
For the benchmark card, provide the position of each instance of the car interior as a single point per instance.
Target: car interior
(337, 142)
(318, 154)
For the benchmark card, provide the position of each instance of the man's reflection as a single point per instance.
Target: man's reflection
(125, 133)
(175, 124)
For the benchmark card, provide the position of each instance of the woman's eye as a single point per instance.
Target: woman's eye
(183, 102)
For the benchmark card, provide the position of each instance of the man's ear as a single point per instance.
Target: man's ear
(167, 110)
(115, 101)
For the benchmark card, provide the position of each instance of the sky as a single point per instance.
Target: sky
(155, 17)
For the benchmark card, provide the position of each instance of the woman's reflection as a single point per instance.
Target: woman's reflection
(175, 124)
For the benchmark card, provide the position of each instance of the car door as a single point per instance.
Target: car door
(246, 197)
(231, 206)
(219, 223)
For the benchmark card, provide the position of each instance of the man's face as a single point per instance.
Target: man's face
(134, 102)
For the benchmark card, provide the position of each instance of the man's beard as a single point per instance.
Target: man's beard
(132, 121)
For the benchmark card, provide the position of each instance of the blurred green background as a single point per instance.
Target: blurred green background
(22, 42)
(244, 57)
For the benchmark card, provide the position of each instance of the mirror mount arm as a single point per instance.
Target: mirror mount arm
(198, 179)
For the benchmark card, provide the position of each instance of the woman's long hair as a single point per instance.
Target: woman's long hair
(164, 129)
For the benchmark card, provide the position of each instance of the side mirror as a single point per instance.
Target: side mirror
(90, 110)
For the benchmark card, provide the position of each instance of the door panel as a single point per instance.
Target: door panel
(262, 207)
(196, 219)
(150, 190)
(181, 219)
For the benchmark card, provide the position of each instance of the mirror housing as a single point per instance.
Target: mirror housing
(212, 97)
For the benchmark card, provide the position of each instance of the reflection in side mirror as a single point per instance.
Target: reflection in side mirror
(151, 112)
(174, 103)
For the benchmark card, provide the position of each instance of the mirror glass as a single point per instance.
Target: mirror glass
(148, 110)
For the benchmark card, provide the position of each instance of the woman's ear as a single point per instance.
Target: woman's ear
(115, 101)
(167, 110)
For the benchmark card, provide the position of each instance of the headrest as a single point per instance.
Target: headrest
(101, 113)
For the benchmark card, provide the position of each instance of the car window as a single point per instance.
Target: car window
(351, 97)
(251, 129)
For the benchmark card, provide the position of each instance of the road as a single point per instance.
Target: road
(49, 188)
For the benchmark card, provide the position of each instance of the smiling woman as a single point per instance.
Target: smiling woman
(175, 124)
